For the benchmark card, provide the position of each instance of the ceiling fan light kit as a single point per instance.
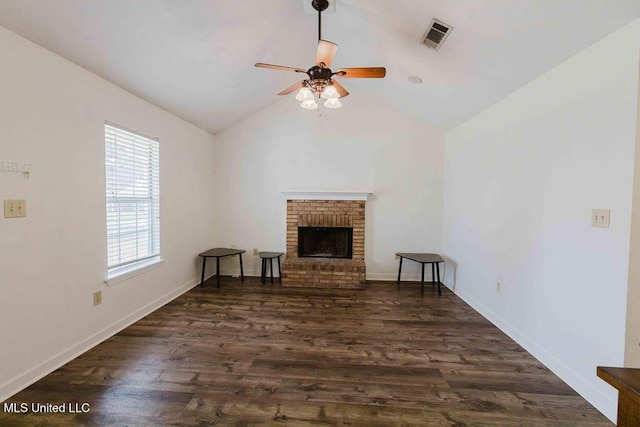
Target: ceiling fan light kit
(333, 103)
(321, 80)
(304, 94)
(309, 105)
(330, 92)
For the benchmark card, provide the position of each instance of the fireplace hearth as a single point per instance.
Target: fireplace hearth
(325, 242)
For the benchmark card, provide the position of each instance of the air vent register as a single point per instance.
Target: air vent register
(436, 34)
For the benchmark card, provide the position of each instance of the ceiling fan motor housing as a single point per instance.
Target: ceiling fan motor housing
(319, 78)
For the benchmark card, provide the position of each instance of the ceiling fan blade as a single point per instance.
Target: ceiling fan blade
(280, 67)
(361, 72)
(341, 90)
(326, 50)
(291, 88)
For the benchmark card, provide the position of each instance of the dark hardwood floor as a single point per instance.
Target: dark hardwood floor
(256, 354)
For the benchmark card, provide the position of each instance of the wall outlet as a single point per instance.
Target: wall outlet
(498, 287)
(255, 251)
(97, 298)
(600, 218)
(15, 209)
(234, 246)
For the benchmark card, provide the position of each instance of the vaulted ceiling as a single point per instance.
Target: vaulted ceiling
(196, 58)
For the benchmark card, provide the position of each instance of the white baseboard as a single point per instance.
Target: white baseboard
(391, 277)
(24, 380)
(385, 276)
(406, 277)
(256, 273)
(583, 387)
(248, 273)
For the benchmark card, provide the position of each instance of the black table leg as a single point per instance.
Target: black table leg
(399, 271)
(438, 270)
(271, 269)
(204, 262)
(422, 280)
(241, 270)
(433, 272)
(263, 266)
(218, 270)
(279, 271)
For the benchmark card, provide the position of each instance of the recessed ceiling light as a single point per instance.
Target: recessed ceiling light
(415, 79)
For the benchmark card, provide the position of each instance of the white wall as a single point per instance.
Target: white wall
(364, 146)
(521, 179)
(632, 345)
(52, 115)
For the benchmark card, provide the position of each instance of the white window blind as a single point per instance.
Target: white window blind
(133, 200)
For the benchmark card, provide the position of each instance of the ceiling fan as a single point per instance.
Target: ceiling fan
(320, 79)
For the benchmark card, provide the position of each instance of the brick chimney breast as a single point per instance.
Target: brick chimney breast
(325, 272)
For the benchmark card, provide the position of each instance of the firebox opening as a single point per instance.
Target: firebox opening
(325, 242)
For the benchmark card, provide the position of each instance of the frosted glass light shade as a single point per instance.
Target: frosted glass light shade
(330, 92)
(332, 103)
(309, 105)
(304, 94)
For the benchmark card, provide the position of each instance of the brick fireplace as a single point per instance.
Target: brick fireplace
(321, 211)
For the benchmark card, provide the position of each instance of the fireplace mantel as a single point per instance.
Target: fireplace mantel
(325, 195)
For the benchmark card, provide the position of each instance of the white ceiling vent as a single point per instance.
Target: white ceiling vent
(436, 34)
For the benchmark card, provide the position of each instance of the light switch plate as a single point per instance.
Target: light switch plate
(600, 218)
(15, 209)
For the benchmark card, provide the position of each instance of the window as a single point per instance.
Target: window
(133, 201)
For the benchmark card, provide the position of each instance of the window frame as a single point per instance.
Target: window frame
(140, 157)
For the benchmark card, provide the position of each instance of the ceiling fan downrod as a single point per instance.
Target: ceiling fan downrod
(320, 5)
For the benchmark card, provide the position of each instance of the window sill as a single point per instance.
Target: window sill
(132, 271)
